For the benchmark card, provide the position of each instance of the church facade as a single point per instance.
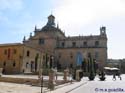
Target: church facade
(67, 51)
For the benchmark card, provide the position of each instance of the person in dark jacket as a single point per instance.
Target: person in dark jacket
(119, 76)
(114, 77)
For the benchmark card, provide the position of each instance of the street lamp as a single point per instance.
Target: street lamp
(51, 62)
(41, 84)
(40, 72)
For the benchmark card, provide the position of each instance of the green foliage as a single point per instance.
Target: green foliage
(91, 69)
(91, 76)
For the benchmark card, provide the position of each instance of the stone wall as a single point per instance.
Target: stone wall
(19, 80)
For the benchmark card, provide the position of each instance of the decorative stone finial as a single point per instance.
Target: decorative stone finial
(57, 26)
(24, 38)
(30, 34)
(35, 28)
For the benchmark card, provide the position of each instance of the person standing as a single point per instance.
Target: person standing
(114, 77)
(119, 76)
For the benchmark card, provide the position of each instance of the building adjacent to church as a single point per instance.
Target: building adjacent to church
(18, 58)
(65, 50)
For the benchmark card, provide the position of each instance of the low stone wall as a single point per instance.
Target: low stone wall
(19, 80)
(30, 81)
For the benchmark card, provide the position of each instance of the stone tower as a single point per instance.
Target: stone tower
(103, 31)
(51, 20)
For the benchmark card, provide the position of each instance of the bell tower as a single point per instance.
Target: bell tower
(51, 20)
(103, 30)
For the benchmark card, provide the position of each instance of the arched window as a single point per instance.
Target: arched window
(28, 53)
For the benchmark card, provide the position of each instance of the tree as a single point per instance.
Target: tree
(91, 68)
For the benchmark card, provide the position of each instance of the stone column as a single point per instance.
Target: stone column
(66, 73)
(77, 75)
(51, 79)
(78, 78)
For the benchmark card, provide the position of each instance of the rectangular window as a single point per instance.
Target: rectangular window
(14, 64)
(9, 53)
(96, 55)
(41, 41)
(59, 55)
(5, 52)
(28, 53)
(71, 55)
(44, 57)
(89, 54)
(4, 64)
(73, 44)
(14, 51)
(27, 64)
(63, 44)
(96, 43)
(85, 44)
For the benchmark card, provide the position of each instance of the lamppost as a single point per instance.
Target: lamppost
(40, 72)
(51, 62)
(51, 74)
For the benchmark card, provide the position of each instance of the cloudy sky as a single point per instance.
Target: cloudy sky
(76, 17)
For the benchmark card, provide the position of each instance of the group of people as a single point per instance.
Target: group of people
(102, 75)
(114, 76)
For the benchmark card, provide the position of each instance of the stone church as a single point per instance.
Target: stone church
(67, 52)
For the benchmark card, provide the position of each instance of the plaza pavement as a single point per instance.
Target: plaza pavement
(84, 86)
(108, 86)
(96, 86)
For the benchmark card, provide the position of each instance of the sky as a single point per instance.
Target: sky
(75, 17)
